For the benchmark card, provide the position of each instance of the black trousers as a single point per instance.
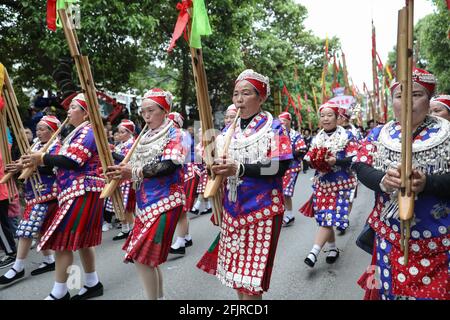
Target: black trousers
(7, 242)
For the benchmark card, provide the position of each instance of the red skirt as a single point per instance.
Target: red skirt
(190, 188)
(149, 245)
(76, 225)
(131, 203)
(262, 262)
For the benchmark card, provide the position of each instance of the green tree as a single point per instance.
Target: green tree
(112, 33)
(432, 45)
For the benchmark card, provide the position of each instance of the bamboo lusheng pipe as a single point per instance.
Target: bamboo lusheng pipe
(27, 172)
(6, 154)
(205, 112)
(405, 66)
(88, 86)
(213, 185)
(114, 183)
(11, 106)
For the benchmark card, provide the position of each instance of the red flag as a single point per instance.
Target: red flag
(380, 63)
(448, 4)
(51, 14)
(298, 113)
(2, 103)
(182, 21)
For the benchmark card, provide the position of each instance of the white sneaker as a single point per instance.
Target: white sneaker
(106, 226)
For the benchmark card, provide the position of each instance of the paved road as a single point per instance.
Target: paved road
(291, 278)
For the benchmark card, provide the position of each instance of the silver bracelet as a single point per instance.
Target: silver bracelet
(243, 169)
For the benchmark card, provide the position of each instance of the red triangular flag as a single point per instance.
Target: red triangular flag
(51, 14)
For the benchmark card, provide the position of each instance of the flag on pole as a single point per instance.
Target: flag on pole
(200, 24)
(52, 12)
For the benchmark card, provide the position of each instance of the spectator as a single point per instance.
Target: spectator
(133, 107)
(7, 242)
(29, 135)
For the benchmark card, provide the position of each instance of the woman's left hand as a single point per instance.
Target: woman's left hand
(119, 172)
(225, 167)
(331, 160)
(32, 160)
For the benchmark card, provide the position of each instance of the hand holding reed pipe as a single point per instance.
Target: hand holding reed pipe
(214, 184)
(114, 183)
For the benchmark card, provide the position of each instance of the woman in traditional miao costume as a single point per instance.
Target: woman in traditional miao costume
(38, 210)
(184, 239)
(243, 254)
(127, 130)
(426, 275)
(77, 225)
(440, 106)
(202, 205)
(156, 170)
(330, 155)
(299, 149)
(230, 114)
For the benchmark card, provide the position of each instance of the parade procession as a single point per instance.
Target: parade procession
(224, 150)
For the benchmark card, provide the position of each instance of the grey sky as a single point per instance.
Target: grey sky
(350, 20)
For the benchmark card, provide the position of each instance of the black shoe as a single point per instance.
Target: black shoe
(92, 292)
(4, 281)
(47, 268)
(331, 259)
(289, 222)
(121, 235)
(206, 211)
(309, 262)
(66, 297)
(7, 261)
(341, 232)
(194, 211)
(188, 243)
(180, 250)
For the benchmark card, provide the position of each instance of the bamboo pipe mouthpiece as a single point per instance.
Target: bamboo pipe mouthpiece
(406, 206)
(109, 188)
(6, 177)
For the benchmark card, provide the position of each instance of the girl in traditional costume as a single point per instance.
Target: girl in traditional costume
(330, 154)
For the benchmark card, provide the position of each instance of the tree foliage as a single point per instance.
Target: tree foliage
(432, 45)
(126, 42)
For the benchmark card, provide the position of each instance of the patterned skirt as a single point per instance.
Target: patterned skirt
(243, 258)
(129, 199)
(289, 180)
(203, 180)
(35, 220)
(76, 225)
(190, 188)
(149, 245)
(332, 207)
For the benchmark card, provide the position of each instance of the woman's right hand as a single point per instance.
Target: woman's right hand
(391, 180)
(14, 167)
